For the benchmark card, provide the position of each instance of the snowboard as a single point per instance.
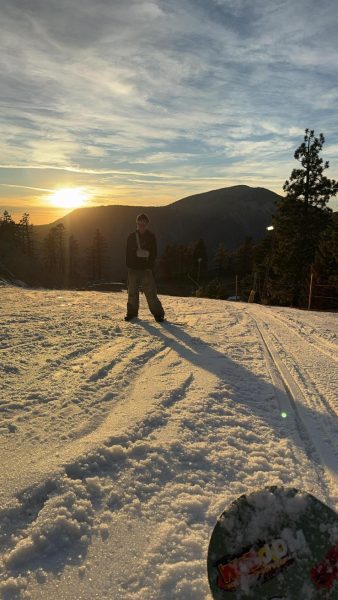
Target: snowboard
(275, 544)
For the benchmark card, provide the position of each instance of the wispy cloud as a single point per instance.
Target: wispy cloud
(185, 93)
(25, 187)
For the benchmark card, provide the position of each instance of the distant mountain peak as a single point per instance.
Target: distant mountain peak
(226, 215)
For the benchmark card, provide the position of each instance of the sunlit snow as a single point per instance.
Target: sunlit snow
(121, 443)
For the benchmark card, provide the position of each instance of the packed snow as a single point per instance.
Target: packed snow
(122, 443)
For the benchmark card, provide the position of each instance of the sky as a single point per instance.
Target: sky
(144, 102)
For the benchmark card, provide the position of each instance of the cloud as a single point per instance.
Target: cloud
(25, 187)
(183, 91)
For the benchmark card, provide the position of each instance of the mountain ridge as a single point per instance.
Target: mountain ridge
(227, 215)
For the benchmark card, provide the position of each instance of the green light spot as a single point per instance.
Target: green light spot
(284, 415)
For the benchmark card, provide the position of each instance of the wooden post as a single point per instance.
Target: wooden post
(199, 269)
(236, 287)
(310, 291)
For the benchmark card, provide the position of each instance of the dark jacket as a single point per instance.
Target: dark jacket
(147, 242)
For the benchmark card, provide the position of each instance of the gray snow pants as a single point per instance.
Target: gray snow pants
(143, 279)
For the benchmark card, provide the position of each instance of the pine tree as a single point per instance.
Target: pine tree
(244, 258)
(8, 243)
(73, 260)
(97, 256)
(221, 259)
(167, 262)
(8, 229)
(300, 219)
(178, 261)
(309, 184)
(25, 230)
(55, 255)
(326, 263)
(325, 268)
(200, 259)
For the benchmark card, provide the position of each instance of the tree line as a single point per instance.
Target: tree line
(295, 264)
(56, 262)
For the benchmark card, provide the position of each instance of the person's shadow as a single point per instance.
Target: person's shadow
(192, 349)
(249, 391)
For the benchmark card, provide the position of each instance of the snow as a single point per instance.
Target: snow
(122, 443)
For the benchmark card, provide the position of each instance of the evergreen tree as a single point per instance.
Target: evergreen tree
(49, 249)
(8, 242)
(263, 253)
(244, 258)
(167, 262)
(300, 219)
(73, 260)
(200, 259)
(183, 259)
(177, 261)
(221, 259)
(17, 255)
(60, 247)
(55, 254)
(97, 256)
(325, 269)
(8, 230)
(25, 231)
(308, 183)
(326, 263)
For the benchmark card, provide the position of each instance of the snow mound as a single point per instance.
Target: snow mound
(64, 520)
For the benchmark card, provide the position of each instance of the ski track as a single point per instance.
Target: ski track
(306, 369)
(327, 344)
(150, 430)
(322, 450)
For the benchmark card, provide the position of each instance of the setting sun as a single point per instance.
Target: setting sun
(69, 198)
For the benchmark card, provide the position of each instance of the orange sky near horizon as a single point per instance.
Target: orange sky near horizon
(43, 212)
(43, 209)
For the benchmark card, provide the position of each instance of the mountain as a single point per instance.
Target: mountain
(225, 215)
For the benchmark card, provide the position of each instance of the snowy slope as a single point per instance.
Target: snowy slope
(121, 443)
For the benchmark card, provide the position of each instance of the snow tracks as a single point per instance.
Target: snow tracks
(303, 363)
(123, 442)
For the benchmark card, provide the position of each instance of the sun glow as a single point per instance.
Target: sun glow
(69, 198)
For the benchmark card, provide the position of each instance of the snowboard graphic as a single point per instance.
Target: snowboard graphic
(275, 544)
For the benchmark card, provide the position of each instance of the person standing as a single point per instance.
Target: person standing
(141, 253)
